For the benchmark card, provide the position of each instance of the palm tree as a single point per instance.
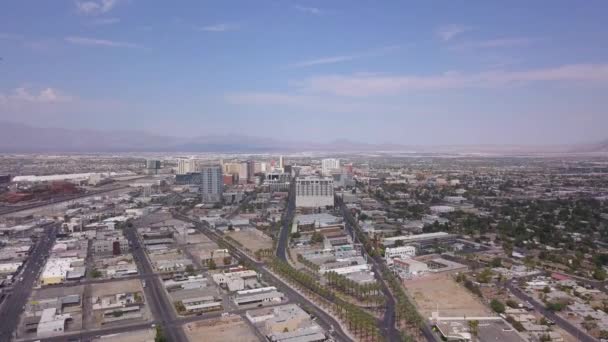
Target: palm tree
(474, 328)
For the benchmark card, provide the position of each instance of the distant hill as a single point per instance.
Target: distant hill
(21, 138)
(601, 146)
(16, 137)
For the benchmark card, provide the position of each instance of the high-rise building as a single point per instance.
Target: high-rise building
(185, 166)
(232, 168)
(314, 192)
(152, 166)
(250, 171)
(281, 162)
(243, 173)
(328, 165)
(209, 179)
(212, 183)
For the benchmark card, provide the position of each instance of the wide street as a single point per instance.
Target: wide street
(13, 306)
(388, 322)
(286, 223)
(160, 306)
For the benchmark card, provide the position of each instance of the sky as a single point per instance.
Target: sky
(426, 72)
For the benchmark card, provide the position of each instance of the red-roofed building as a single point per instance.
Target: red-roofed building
(559, 276)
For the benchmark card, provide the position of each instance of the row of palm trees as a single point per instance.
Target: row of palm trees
(405, 311)
(263, 253)
(359, 321)
(307, 263)
(363, 292)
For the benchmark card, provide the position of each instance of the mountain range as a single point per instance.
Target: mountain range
(22, 138)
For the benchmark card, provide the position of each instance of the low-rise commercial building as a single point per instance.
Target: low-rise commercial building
(402, 252)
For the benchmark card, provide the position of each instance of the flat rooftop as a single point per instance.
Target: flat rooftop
(490, 330)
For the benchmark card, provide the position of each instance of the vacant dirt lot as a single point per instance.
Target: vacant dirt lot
(225, 329)
(252, 239)
(441, 290)
(116, 287)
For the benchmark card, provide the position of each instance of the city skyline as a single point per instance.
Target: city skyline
(431, 74)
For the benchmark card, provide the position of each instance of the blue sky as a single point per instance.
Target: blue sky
(431, 72)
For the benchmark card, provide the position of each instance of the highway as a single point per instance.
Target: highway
(323, 319)
(160, 306)
(562, 323)
(13, 306)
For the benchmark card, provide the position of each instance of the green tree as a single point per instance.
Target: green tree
(484, 276)
(316, 237)
(160, 335)
(211, 264)
(599, 274)
(474, 327)
(555, 306)
(497, 306)
(496, 262)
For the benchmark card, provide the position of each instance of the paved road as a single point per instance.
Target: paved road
(287, 219)
(243, 203)
(562, 323)
(160, 306)
(388, 322)
(13, 306)
(426, 329)
(324, 320)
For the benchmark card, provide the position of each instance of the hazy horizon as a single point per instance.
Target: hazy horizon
(517, 73)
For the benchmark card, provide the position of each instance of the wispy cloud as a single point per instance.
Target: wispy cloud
(343, 58)
(26, 95)
(95, 7)
(98, 42)
(496, 43)
(268, 98)
(223, 27)
(369, 85)
(105, 21)
(450, 31)
(309, 10)
(307, 102)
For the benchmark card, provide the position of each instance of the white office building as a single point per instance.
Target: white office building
(403, 252)
(314, 192)
(329, 165)
(185, 165)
